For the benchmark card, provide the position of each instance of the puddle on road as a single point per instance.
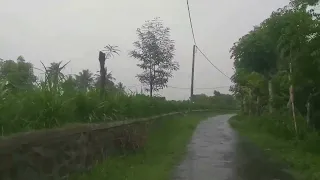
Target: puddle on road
(216, 152)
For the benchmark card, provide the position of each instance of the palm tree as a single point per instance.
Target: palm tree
(109, 81)
(84, 80)
(120, 87)
(69, 85)
(54, 74)
(110, 51)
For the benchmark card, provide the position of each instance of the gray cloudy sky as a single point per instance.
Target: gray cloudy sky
(63, 30)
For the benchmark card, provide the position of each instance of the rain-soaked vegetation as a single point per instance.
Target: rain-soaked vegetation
(277, 67)
(49, 99)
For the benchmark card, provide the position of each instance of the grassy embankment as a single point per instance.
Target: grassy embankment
(165, 148)
(276, 136)
(42, 109)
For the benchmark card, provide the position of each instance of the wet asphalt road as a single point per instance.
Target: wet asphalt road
(216, 152)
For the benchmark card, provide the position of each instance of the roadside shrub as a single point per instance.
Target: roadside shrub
(311, 142)
(281, 126)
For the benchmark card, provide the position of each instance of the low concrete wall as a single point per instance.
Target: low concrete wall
(53, 154)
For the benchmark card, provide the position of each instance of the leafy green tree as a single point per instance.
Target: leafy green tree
(219, 100)
(69, 86)
(155, 52)
(250, 89)
(307, 2)
(284, 50)
(19, 74)
(255, 52)
(109, 84)
(293, 48)
(121, 87)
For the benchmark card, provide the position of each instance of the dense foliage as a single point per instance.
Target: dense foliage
(28, 102)
(53, 99)
(218, 100)
(277, 65)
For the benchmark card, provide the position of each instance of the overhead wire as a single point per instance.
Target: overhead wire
(191, 25)
(194, 40)
(206, 57)
(219, 87)
(175, 87)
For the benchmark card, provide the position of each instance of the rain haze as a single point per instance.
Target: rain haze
(75, 30)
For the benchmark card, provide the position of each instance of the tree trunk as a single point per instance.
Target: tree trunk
(293, 108)
(270, 88)
(308, 112)
(151, 82)
(291, 92)
(244, 102)
(102, 60)
(308, 106)
(151, 90)
(250, 103)
(258, 106)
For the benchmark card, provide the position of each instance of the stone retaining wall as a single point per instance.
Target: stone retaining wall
(53, 154)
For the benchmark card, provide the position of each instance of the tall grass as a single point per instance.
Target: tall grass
(43, 108)
(279, 125)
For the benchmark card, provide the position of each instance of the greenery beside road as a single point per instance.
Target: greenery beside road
(276, 82)
(301, 155)
(44, 109)
(165, 148)
(53, 99)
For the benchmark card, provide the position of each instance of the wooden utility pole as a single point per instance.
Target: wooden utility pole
(192, 75)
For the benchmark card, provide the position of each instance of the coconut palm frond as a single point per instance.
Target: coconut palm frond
(111, 50)
(64, 65)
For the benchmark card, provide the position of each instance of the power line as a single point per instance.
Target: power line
(212, 63)
(194, 39)
(197, 88)
(175, 87)
(132, 86)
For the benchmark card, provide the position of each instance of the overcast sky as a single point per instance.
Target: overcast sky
(63, 30)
